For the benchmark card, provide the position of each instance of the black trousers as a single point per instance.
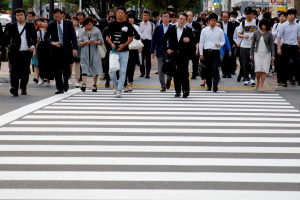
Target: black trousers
(195, 61)
(212, 62)
(20, 69)
(245, 58)
(226, 65)
(289, 52)
(181, 78)
(133, 57)
(146, 56)
(277, 64)
(62, 69)
(232, 61)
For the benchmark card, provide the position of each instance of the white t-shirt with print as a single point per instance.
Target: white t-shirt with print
(248, 29)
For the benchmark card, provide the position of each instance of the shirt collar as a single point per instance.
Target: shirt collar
(182, 27)
(21, 25)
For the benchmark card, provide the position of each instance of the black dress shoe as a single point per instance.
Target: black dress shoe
(147, 76)
(14, 91)
(229, 76)
(59, 92)
(186, 94)
(208, 89)
(177, 95)
(215, 88)
(168, 84)
(142, 75)
(194, 77)
(156, 72)
(293, 82)
(239, 79)
(23, 92)
(35, 80)
(66, 88)
(107, 85)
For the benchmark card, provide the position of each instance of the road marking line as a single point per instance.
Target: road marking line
(86, 112)
(167, 94)
(127, 194)
(148, 130)
(168, 109)
(129, 148)
(150, 176)
(168, 105)
(13, 115)
(149, 161)
(148, 138)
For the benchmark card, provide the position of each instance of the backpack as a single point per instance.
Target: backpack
(152, 25)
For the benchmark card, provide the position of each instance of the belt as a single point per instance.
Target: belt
(290, 45)
(211, 50)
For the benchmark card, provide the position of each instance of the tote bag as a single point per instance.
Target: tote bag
(102, 50)
(135, 44)
(114, 61)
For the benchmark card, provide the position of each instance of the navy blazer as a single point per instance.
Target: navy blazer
(157, 40)
(14, 35)
(69, 37)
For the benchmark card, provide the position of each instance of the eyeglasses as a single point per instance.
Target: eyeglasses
(165, 17)
(181, 19)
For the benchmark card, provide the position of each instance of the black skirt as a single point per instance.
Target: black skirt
(45, 64)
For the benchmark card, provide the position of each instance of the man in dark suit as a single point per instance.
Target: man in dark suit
(103, 22)
(229, 29)
(62, 38)
(181, 43)
(23, 41)
(156, 44)
(197, 31)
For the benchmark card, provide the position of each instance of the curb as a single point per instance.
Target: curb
(292, 88)
(4, 79)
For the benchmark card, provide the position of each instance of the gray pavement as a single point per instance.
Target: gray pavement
(234, 144)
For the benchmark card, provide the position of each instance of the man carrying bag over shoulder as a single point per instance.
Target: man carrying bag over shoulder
(181, 43)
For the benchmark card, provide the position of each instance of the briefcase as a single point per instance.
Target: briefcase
(202, 69)
(169, 65)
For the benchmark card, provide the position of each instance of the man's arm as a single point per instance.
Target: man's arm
(154, 40)
(33, 35)
(48, 33)
(73, 36)
(201, 44)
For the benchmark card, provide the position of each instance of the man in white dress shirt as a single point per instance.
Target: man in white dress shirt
(147, 29)
(211, 40)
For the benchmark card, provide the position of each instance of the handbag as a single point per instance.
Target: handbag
(114, 61)
(202, 70)
(169, 65)
(102, 50)
(251, 63)
(135, 44)
(237, 52)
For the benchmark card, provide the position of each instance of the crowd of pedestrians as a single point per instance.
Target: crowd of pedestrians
(54, 48)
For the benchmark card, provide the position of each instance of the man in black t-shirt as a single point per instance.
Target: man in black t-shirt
(119, 36)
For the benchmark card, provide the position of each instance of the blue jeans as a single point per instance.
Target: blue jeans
(123, 56)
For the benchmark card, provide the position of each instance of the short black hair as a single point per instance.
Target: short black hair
(112, 16)
(57, 10)
(224, 13)
(146, 12)
(236, 8)
(121, 8)
(19, 10)
(282, 13)
(31, 13)
(155, 13)
(255, 12)
(267, 15)
(291, 11)
(213, 16)
(87, 20)
(233, 13)
(92, 16)
(111, 10)
(80, 14)
(131, 15)
(166, 12)
(275, 19)
(183, 14)
(63, 12)
(174, 15)
(67, 16)
(220, 24)
(264, 22)
(200, 19)
(191, 12)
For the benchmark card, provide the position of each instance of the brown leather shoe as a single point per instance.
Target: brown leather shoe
(163, 89)
(168, 84)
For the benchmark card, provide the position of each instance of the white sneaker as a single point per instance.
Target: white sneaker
(48, 84)
(41, 82)
(118, 94)
(246, 82)
(252, 82)
(114, 90)
(70, 82)
(77, 85)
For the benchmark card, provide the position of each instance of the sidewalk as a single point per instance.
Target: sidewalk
(153, 82)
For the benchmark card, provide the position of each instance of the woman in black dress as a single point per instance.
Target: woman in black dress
(46, 68)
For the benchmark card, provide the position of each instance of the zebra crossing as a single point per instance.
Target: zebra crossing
(150, 145)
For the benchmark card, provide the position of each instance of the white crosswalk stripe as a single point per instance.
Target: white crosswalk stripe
(150, 145)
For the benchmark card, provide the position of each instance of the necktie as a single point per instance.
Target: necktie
(61, 40)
